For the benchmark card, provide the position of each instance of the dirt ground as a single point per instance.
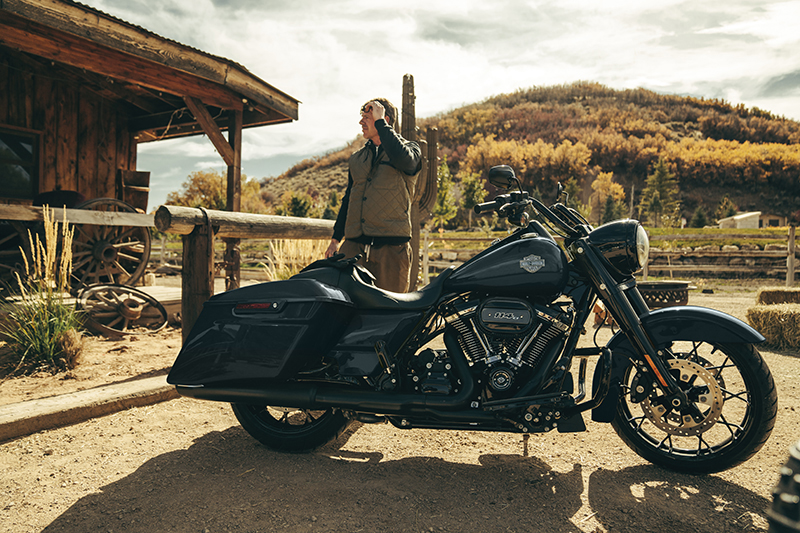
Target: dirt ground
(187, 466)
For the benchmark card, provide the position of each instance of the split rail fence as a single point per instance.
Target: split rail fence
(770, 263)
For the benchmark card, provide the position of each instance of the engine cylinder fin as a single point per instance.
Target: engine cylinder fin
(541, 342)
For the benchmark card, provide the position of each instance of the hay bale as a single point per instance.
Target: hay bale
(779, 323)
(778, 296)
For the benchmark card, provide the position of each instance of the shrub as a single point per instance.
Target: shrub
(43, 331)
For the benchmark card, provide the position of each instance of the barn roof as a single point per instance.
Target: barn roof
(152, 75)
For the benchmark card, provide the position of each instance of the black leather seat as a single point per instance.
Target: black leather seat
(367, 296)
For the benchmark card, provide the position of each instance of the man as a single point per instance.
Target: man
(375, 215)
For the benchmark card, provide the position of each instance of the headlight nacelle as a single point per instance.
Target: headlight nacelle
(624, 243)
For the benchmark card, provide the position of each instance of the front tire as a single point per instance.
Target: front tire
(289, 429)
(734, 405)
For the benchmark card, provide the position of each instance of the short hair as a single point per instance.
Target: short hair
(391, 110)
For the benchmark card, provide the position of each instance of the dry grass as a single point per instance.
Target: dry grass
(772, 295)
(779, 323)
(288, 257)
(41, 331)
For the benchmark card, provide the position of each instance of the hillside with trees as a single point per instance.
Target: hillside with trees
(708, 154)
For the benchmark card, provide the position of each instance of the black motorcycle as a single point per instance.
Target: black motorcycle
(300, 359)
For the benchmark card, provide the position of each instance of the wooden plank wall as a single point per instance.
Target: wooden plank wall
(84, 137)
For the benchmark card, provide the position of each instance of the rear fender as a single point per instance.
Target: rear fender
(681, 323)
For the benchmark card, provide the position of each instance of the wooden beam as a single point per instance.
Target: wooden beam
(77, 216)
(58, 46)
(182, 220)
(100, 85)
(115, 34)
(210, 128)
(234, 200)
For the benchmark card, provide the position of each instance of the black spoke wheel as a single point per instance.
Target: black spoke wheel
(108, 254)
(290, 429)
(116, 310)
(731, 411)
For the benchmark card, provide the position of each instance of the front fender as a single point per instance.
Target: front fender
(691, 323)
(680, 323)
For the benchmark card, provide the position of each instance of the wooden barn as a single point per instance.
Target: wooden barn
(80, 89)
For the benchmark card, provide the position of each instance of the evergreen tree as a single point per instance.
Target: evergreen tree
(725, 209)
(445, 208)
(699, 218)
(660, 203)
(473, 193)
(295, 204)
(608, 197)
(332, 209)
(573, 190)
(612, 210)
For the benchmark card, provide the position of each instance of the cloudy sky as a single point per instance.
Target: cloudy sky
(333, 55)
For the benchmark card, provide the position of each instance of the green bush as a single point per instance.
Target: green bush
(41, 330)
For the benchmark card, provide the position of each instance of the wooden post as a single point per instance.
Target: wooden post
(197, 276)
(790, 258)
(408, 125)
(426, 277)
(234, 200)
(408, 129)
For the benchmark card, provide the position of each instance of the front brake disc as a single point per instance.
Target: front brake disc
(703, 391)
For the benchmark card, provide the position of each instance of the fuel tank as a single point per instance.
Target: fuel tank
(533, 266)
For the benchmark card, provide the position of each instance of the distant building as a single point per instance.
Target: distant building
(767, 220)
(750, 220)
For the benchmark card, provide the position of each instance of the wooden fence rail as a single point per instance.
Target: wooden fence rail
(199, 227)
(664, 260)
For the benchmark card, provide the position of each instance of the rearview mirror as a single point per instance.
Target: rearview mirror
(502, 177)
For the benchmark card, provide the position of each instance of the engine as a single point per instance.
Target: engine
(505, 338)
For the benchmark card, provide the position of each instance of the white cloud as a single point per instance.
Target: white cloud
(333, 56)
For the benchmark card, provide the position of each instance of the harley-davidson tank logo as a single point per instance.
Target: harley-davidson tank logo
(531, 263)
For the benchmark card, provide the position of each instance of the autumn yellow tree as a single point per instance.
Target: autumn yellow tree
(208, 188)
(608, 198)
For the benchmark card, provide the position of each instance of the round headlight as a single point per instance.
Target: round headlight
(624, 243)
(642, 246)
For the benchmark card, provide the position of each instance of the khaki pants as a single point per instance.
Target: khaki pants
(390, 264)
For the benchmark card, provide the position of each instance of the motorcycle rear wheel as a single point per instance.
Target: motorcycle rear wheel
(735, 402)
(289, 429)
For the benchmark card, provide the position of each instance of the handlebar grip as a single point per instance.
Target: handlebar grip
(485, 207)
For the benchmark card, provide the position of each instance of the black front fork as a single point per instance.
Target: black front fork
(626, 305)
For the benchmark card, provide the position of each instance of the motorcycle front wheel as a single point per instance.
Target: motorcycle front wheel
(732, 412)
(289, 429)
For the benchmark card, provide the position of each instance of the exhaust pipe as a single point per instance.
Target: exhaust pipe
(323, 396)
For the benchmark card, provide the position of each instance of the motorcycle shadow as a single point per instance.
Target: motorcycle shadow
(226, 481)
(648, 498)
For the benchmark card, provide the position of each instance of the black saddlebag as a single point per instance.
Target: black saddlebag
(265, 331)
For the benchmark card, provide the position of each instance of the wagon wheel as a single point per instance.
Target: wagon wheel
(108, 254)
(119, 310)
(13, 240)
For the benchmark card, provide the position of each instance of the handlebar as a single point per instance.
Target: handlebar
(558, 215)
(487, 206)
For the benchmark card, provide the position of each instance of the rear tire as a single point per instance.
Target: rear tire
(734, 402)
(289, 429)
